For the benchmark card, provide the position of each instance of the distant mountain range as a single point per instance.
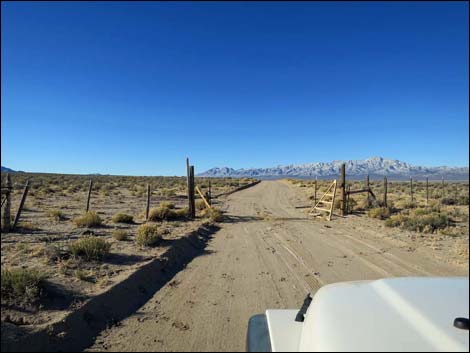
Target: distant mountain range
(376, 167)
(7, 170)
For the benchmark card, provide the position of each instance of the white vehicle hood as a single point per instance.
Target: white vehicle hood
(401, 314)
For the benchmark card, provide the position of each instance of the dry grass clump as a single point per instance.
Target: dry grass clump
(405, 204)
(120, 234)
(166, 211)
(90, 248)
(26, 225)
(167, 204)
(181, 213)
(214, 214)
(200, 204)
(89, 219)
(379, 212)
(122, 218)
(56, 215)
(86, 276)
(147, 235)
(22, 286)
(54, 253)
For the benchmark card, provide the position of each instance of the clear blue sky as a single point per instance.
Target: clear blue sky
(134, 88)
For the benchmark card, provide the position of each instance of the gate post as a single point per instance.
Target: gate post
(20, 208)
(367, 188)
(191, 191)
(385, 191)
(343, 189)
(6, 220)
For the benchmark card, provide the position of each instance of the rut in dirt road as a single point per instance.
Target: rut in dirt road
(268, 254)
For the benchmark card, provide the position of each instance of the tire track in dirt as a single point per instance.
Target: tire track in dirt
(268, 254)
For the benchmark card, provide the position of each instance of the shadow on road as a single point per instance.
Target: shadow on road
(79, 330)
(242, 219)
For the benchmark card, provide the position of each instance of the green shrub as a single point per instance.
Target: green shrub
(460, 200)
(22, 285)
(448, 201)
(56, 215)
(147, 235)
(395, 221)
(406, 204)
(422, 211)
(120, 234)
(427, 223)
(379, 212)
(122, 218)
(463, 200)
(90, 248)
(89, 219)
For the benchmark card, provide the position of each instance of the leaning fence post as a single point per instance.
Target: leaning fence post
(343, 189)
(6, 211)
(210, 193)
(147, 208)
(427, 191)
(192, 199)
(367, 188)
(88, 197)
(20, 208)
(385, 191)
(315, 192)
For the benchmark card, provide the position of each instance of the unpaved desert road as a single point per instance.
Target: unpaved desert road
(269, 254)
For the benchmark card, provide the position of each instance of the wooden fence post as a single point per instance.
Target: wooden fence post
(192, 199)
(188, 179)
(427, 191)
(411, 189)
(385, 191)
(315, 192)
(348, 203)
(443, 192)
(6, 220)
(20, 208)
(210, 192)
(343, 189)
(147, 209)
(367, 188)
(89, 195)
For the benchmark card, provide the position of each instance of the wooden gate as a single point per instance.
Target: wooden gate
(326, 202)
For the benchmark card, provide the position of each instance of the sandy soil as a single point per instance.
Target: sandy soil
(270, 254)
(28, 245)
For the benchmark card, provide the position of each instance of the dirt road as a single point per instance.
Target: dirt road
(269, 254)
